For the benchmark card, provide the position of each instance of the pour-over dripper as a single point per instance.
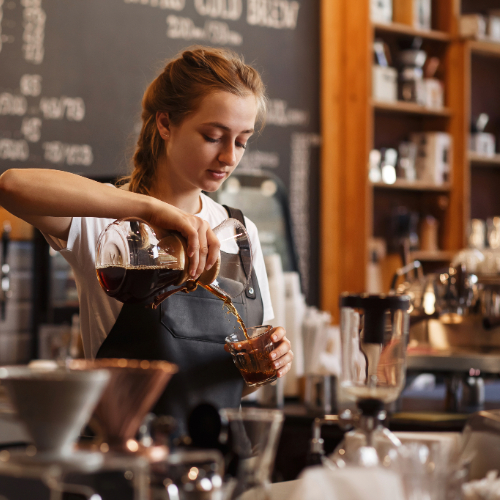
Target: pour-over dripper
(53, 405)
(135, 265)
(254, 434)
(134, 387)
(374, 334)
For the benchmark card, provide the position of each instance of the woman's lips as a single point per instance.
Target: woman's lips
(217, 175)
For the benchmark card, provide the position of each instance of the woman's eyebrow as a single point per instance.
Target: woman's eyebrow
(227, 129)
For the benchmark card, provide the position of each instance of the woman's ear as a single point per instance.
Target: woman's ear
(163, 124)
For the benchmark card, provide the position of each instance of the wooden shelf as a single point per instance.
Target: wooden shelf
(485, 161)
(437, 256)
(485, 48)
(409, 108)
(413, 186)
(409, 31)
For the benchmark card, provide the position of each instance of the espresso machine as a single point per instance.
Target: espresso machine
(455, 329)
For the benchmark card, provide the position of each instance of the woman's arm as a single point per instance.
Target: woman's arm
(49, 199)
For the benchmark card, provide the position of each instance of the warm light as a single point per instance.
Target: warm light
(388, 174)
(157, 453)
(205, 484)
(4, 456)
(145, 364)
(193, 473)
(132, 445)
(429, 302)
(104, 447)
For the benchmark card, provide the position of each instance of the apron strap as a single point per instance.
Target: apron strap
(245, 252)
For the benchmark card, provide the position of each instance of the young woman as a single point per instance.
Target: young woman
(197, 118)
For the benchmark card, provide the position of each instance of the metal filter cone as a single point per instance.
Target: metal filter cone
(53, 405)
(134, 387)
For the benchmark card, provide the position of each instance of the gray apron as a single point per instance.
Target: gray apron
(189, 329)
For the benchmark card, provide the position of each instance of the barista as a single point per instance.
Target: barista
(197, 117)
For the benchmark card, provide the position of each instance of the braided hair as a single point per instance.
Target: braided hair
(178, 91)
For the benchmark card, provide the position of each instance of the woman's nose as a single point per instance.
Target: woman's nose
(228, 156)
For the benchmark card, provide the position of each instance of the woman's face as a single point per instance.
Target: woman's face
(207, 146)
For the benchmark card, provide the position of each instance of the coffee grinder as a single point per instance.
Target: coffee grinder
(374, 334)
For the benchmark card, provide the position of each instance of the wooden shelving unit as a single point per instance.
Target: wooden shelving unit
(409, 108)
(485, 48)
(401, 184)
(353, 210)
(486, 161)
(409, 31)
(438, 256)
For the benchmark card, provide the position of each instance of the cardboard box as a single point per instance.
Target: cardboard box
(416, 13)
(472, 26)
(384, 84)
(433, 161)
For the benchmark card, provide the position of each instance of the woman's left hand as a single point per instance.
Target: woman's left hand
(282, 354)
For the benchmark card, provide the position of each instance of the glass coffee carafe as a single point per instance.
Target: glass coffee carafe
(134, 264)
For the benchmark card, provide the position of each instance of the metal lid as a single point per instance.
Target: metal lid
(381, 302)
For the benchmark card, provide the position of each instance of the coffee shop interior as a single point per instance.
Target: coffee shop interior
(374, 186)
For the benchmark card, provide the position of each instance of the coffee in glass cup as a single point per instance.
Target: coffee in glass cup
(251, 354)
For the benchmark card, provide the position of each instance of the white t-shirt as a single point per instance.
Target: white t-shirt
(98, 311)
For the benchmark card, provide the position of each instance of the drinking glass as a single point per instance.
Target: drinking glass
(251, 354)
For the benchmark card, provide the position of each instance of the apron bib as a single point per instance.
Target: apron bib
(188, 329)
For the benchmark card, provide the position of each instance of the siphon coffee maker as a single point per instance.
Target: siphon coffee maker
(374, 334)
(134, 264)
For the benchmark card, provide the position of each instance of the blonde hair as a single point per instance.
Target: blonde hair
(178, 91)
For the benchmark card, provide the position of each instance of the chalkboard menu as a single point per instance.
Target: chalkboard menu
(72, 75)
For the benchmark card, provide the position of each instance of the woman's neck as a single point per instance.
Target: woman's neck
(187, 198)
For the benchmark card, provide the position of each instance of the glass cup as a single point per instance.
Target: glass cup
(251, 352)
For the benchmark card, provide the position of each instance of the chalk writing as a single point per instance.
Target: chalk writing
(31, 85)
(1, 18)
(55, 108)
(279, 114)
(279, 14)
(71, 154)
(216, 32)
(299, 198)
(11, 104)
(34, 30)
(31, 128)
(255, 160)
(162, 4)
(11, 149)
(222, 9)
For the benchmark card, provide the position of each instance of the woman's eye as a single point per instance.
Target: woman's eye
(241, 145)
(210, 139)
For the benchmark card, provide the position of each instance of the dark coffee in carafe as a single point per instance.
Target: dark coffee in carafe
(134, 285)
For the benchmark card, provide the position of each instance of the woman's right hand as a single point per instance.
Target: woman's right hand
(203, 245)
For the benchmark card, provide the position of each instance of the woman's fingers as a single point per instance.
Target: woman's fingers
(213, 249)
(203, 253)
(282, 355)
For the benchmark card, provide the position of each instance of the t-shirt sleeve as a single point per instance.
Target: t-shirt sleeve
(79, 249)
(260, 270)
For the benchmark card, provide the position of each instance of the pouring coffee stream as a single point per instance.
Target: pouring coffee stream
(133, 265)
